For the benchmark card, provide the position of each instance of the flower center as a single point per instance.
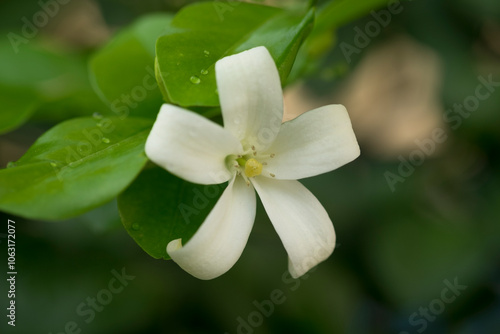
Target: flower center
(247, 165)
(253, 168)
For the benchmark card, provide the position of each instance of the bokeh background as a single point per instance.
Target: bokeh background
(399, 247)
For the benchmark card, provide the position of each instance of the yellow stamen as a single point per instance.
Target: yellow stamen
(253, 168)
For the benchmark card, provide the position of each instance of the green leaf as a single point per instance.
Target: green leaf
(70, 96)
(123, 71)
(329, 17)
(203, 33)
(338, 13)
(76, 166)
(159, 207)
(31, 66)
(27, 79)
(18, 104)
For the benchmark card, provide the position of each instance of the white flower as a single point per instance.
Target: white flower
(253, 150)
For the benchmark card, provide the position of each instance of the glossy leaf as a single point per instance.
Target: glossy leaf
(203, 33)
(159, 207)
(123, 71)
(74, 167)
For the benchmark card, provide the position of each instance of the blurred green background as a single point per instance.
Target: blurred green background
(398, 248)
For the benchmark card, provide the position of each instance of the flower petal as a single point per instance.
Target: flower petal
(220, 240)
(250, 95)
(302, 223)
(190, 146)
(314, 143)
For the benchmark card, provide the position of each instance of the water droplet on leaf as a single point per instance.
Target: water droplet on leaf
(136, 227)
(194, 79)
(207, 53)
(106, 140)
(53, 164)
(204, 72)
